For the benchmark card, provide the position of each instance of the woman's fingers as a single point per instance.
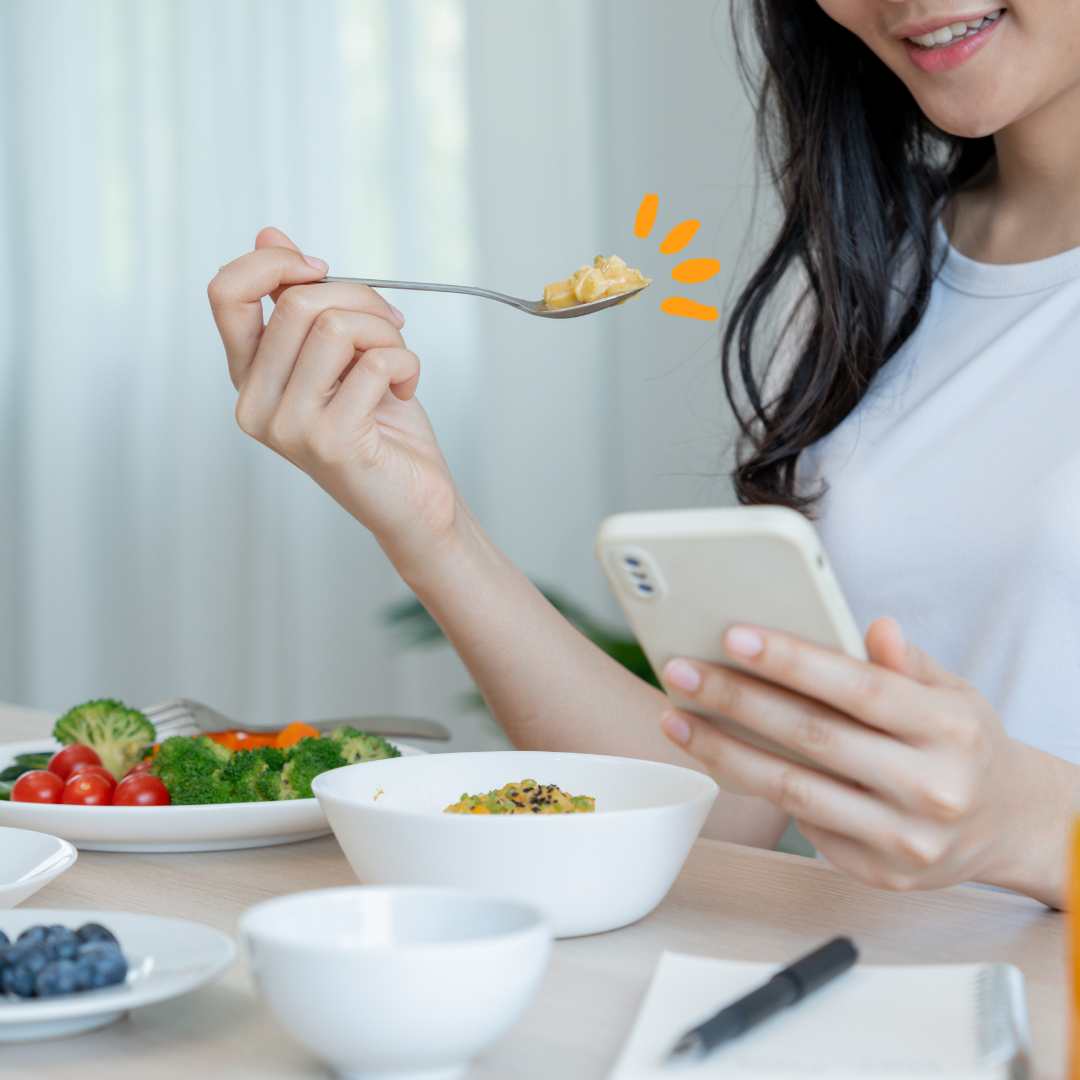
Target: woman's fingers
(892, 702)
(236, 298)
(808, 795)
(812, 729)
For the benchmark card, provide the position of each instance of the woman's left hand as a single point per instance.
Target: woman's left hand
(927, 788)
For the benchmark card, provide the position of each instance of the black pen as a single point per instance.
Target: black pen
(785, 988)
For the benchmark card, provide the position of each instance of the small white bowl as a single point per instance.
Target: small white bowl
(395, 982)
(28, 861)
(585, 872)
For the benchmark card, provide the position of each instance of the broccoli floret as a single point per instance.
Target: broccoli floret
(360, 746)
(254, 775)
(304, 760)
(191, 770)
(121, 736)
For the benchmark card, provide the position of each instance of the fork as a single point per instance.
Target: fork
(184, 717)
(530, 307)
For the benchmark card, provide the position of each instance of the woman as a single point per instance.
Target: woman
(922, 410)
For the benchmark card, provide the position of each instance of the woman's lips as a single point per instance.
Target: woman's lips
(947, 57)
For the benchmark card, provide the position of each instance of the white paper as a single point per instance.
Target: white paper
(896, 1022)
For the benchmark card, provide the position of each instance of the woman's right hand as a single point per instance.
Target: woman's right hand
(329, 385)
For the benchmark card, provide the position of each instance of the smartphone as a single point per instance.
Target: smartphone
(683, 577)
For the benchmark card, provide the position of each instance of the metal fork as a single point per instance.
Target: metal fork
(184, 717)
(530, 307)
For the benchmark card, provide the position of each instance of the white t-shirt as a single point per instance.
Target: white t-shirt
(954, 490)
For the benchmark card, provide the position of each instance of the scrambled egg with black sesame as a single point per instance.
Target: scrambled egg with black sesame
(528, 797)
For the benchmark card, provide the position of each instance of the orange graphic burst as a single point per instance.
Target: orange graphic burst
(690, 272)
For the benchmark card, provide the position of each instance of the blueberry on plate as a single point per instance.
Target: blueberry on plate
(100, 964)
(60, 943)
(93, 931)
(4, 939)
(57, 977)
(22, 963)
(33, 935)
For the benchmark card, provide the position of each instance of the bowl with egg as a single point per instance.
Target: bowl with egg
(594, 842)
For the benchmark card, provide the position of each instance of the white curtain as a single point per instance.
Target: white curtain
(148, 549)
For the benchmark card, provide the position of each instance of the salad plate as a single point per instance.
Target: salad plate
(220, 827)
(166, 958)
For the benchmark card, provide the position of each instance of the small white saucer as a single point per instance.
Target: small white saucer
(166, 958)
(29, 860)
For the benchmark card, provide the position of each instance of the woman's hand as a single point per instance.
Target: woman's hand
(927, 788)
(329, 385)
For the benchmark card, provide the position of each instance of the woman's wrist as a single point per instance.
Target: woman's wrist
(1032, 850)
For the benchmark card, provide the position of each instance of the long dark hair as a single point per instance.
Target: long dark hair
(862, 175)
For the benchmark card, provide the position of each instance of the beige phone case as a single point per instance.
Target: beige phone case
(684, 576)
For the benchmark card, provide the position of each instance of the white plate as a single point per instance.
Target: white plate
(29, 860)
(166, 958)
(166, 828)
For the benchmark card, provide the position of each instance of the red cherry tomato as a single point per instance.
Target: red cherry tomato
(139, 767)
(83, 769)
(87, 790)
(62, 761)
(38, 785)
(141, 790)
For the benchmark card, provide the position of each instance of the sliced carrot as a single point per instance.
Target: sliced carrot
(294, 733)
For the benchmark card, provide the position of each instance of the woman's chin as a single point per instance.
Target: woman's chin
(960, 119)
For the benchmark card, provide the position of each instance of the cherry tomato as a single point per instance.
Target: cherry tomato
(62, 761)
(82, 769)
(87, 790)
(141, 790)
(38, 785)
(139, 767)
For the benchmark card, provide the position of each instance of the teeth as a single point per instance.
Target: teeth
(956, 30)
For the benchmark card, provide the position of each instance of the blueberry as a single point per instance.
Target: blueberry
(4, 939)
(61, 943)
(98, 965)
(33, 934)
(93, 931)
(22, 963)
(57, 977)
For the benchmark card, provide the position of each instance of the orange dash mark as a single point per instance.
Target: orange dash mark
(646, 216)
(679, 237)
(694, 270)
(679, 305)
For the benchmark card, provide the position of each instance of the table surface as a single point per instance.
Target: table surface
(729, 901)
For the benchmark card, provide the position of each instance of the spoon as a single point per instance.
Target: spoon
(530, 307)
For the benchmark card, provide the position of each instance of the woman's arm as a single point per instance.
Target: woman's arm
(328, 384)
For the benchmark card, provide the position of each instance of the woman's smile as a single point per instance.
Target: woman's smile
(942, 47)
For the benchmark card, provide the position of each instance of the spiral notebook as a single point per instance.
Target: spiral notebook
(891, 1023)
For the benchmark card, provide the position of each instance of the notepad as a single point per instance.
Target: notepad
(891, 1023)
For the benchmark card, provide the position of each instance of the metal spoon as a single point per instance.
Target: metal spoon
(530, 307)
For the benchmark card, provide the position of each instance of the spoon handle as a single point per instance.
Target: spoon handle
(423, 286)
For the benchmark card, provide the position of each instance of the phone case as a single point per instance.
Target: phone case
(683, 577)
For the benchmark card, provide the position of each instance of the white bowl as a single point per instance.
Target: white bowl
(385, 982)
(585, 872)
(28, 861)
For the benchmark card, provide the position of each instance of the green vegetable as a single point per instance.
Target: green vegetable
(24, 763)
(191, 770)
(304, 761)
(121, 736)
(360, 746)
(5, 789)
(254, 775)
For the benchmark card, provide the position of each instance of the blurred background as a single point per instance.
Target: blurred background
(149, 549)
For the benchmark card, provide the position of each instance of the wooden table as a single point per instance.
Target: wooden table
(729, 901)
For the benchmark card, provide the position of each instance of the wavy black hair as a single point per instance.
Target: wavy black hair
(862, 175)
